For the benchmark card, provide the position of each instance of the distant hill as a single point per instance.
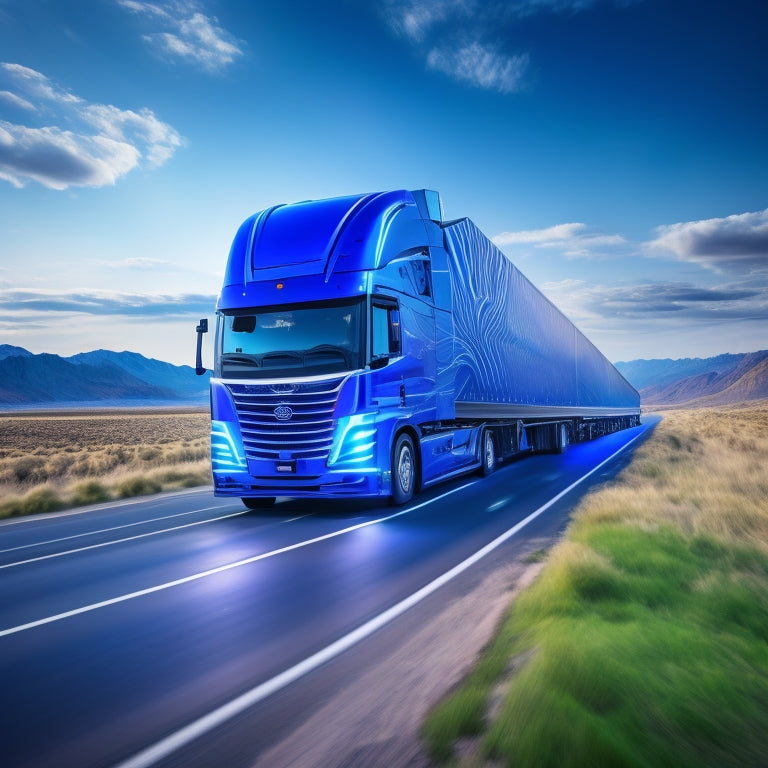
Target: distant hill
(179, 379)
(717, 380)
(8, 350)
(95, 378)
(647, 373)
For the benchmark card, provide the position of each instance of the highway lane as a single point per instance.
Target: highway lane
(121, 625)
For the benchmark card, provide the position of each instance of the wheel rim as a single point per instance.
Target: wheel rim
(490, 454)
(405, 468)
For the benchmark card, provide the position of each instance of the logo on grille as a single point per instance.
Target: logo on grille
(283, 412)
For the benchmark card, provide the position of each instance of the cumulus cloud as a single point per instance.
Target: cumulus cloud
(737, 243)
(187, 33)
(480, 65)
(87, 144)
(105, 303)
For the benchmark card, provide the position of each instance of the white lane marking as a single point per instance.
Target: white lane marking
(498, 505)
(220, 568)
(105, 530)
(217, 717)
(120, 541)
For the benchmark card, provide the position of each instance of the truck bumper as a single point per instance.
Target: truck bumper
(356, 473)
(341, 483)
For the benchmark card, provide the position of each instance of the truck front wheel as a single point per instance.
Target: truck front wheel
(403, 469)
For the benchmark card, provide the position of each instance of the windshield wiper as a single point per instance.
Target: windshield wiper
(270, 358)
(234, 357)
(333, 349)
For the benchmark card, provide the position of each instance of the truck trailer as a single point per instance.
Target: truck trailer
(365, 347)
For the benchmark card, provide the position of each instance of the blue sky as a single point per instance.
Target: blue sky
(615, 150)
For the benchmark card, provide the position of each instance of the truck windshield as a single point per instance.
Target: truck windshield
(293, 340)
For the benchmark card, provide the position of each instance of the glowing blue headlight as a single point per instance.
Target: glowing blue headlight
(226, 448)
(356, 439)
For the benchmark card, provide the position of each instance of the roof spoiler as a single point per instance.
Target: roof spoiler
(430, 204)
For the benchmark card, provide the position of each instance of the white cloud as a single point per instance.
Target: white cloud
(96, 302)
(572, 239)
(189, 34)
(456, 35)
(653, 298)
(737, 243)
(142, 263)
(150, 9)
(16, 101)
(89, 144)
(36, 85)
(557, 233)
(664, 319)
(480, 65)
(414, 19)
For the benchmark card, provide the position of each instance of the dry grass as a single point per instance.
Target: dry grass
(704, 471)
(48, 461)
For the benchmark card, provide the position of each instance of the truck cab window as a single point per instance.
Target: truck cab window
(386, 331)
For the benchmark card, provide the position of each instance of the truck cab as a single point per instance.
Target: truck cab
(327, 361)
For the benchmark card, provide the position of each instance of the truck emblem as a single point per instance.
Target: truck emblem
(283, 412)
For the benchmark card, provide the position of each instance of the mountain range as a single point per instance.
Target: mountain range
(110, 378)
(692, 382)
(100, 377)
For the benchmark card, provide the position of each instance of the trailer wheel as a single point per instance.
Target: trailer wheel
(403, 469)
(489, 459)
(562, 438)
(259, 503)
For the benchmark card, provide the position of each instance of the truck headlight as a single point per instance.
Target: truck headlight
(227, 451)
(356, 439)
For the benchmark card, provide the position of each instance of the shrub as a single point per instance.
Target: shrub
(35, 502)
(89, 492)
(27, 468)
(137, 486)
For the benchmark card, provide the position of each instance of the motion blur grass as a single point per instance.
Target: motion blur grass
(644, 642)
(56, 460)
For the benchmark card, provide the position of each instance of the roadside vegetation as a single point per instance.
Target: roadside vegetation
(644, 641)
(54, 461)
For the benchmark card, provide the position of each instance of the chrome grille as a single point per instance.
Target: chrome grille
(305, 427)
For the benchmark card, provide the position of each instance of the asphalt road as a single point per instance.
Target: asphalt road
(181, 629)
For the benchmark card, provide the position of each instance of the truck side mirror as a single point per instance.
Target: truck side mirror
(201, 329)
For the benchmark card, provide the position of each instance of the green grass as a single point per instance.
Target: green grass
(644, 640)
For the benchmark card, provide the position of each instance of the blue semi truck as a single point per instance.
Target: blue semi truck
(366, 347)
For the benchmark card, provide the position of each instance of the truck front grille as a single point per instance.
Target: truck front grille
(287, 421)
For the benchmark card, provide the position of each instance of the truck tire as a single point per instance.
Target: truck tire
(562, 438)
(259, 503)
(489, 460)
(403, 469)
